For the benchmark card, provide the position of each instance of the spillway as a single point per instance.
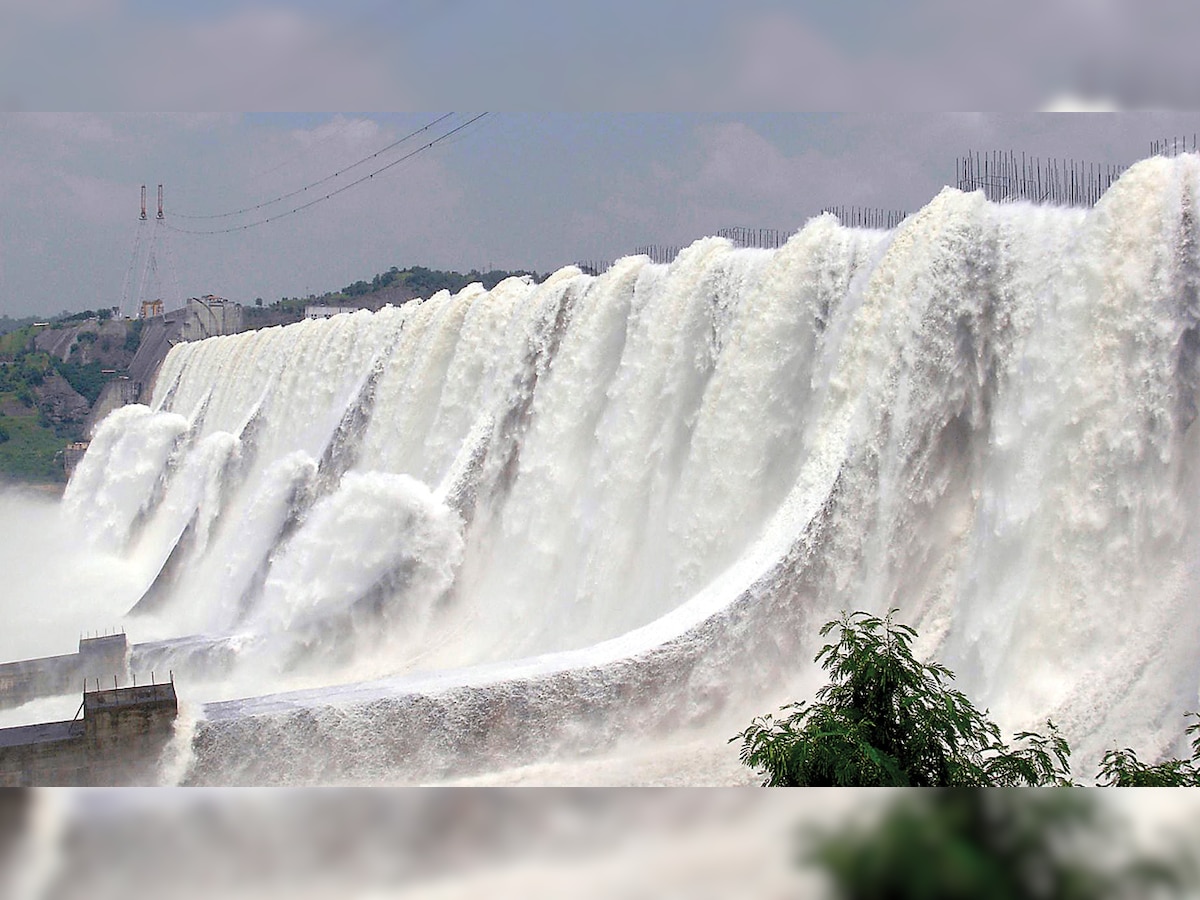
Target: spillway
(537, 523)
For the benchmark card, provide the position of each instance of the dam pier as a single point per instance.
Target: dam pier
(49, 676)
(115, 738)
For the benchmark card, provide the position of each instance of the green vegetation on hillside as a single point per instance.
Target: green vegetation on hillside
(68, 318)
(44, 400)
(395, 286)
(133, 335)
(86, 379)
(424, 283)
(30, 449)
(8, 324)
(30, 440)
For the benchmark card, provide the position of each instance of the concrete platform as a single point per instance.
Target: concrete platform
(118, 741)
(49, 676)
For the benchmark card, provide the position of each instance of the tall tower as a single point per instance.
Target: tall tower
(151, 249)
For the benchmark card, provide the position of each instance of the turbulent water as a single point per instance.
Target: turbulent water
(510, 527)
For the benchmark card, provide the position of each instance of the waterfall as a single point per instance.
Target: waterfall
(490, 527)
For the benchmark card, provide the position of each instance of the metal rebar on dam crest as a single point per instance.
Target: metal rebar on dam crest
(866, 217)
(658, 253)
(766, 238)
(1006, 175)
(1173, 146)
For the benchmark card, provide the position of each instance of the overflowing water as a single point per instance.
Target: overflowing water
(509, 527)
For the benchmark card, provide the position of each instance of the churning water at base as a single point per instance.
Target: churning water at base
(503, 527)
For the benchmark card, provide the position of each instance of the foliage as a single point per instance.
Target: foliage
(1122, 768)
(886, 719)
(418, 282)
(37, 425)
(86, 378)
(133, 335)
(994, 845)
(425, 282)
(16, 342)
(104, 313)
(8, 325)
(30, 452)
(66, 317)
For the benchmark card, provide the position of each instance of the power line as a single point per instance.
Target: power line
(290, 194)
(336, 131)
(469, 133)
(345, 187)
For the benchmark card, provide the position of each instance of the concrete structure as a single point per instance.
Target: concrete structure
(158, 336)
(117, 742)
(324, 312)
(72, 454)
(97, 658)
(202, 317)
(150, 309)
(121, 391)
(209, 316)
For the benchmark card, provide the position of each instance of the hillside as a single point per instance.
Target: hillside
(50, 377)
(53, 375)
(395, 287)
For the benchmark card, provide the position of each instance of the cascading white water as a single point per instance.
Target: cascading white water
(660, 480)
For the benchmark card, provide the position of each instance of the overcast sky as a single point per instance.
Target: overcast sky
(535, 190)
(594, 54)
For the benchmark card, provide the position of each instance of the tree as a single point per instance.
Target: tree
(886, 719)
(1122, 768)
(133, 335)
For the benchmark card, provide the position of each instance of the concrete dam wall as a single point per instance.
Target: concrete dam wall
(118, 741)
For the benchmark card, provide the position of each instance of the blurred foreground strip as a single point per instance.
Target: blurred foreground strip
(497, 843)
(1056, 843)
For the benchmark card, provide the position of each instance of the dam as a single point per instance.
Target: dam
(606, 515)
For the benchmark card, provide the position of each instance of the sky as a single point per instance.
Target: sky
(752, 139)
(594, 54)
(514, 190)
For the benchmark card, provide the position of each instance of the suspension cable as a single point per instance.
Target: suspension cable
(334, 193)
(290, 194)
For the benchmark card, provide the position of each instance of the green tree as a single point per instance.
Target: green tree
(886, 719)
(133, 335)
(1122, 768)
